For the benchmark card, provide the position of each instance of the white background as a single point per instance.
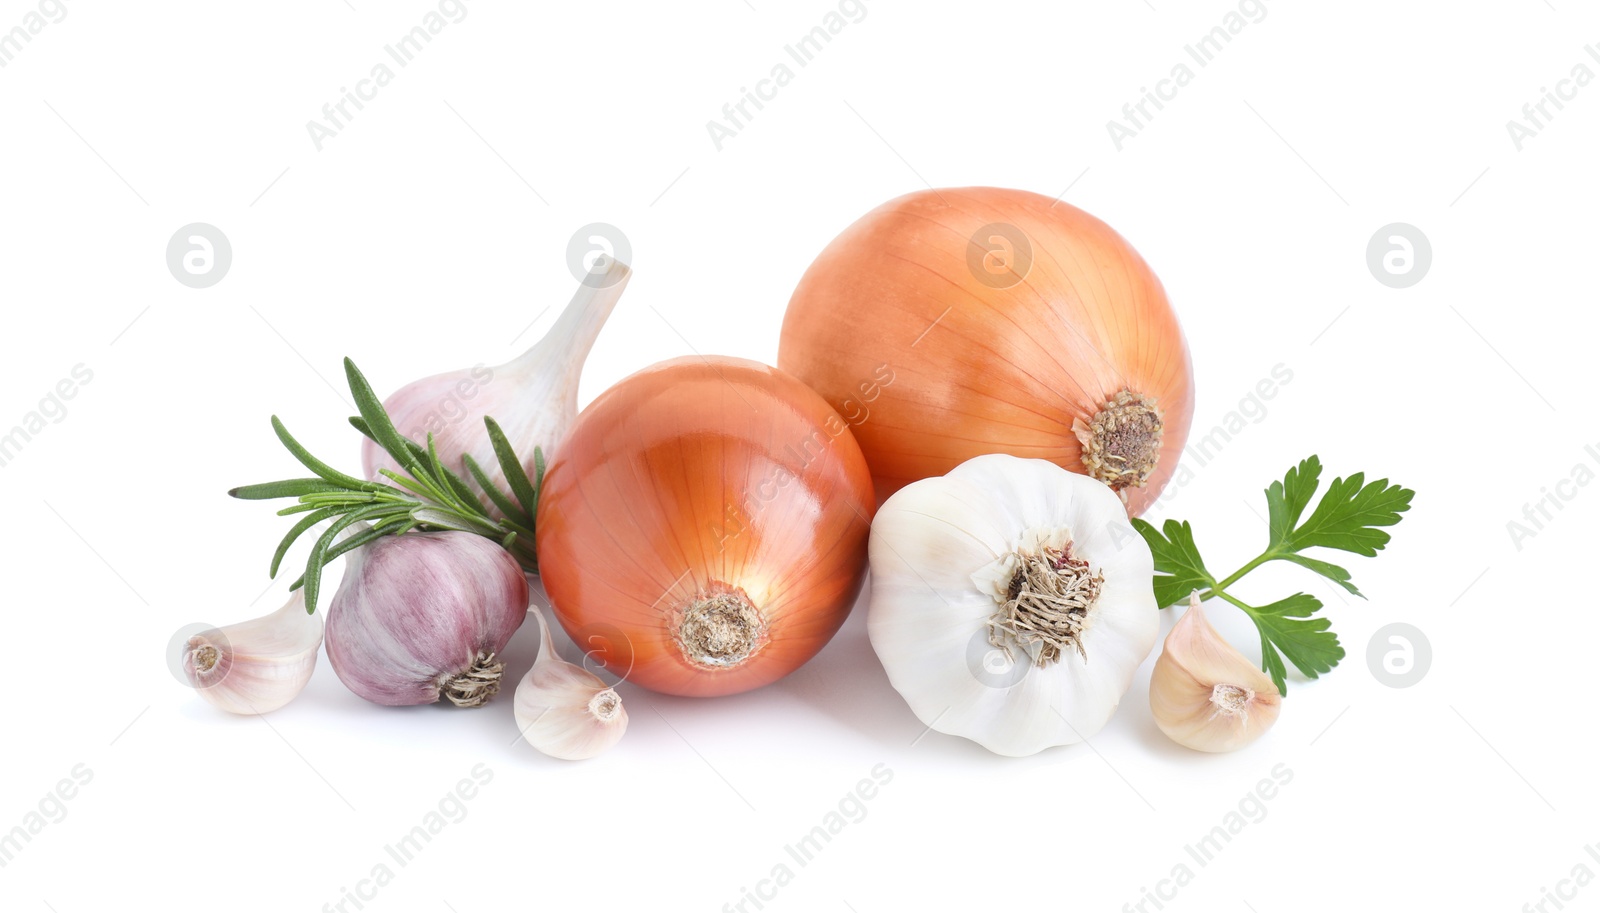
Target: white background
(431, 231)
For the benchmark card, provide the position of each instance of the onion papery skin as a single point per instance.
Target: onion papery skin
(696, 477)
(978, 368)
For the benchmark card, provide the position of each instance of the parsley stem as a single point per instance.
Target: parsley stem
(1248, 610)
(1231, 579)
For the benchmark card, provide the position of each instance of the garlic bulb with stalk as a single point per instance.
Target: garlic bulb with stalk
(1011, 602)
(533, 397)
(255, 666)
(423, 616)
(564, 710)
(1206, 695)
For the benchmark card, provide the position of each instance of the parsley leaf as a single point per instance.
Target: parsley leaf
(1287, 626)
(1179, 567)
(1349, 514)
(1331, 571)
(1347, 518)
(1287, 500)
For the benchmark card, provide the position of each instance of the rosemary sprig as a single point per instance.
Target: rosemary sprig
(427, 495)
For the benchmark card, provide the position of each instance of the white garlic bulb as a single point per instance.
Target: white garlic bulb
(1011, 602)
(1206, 695)
(255, 666)
(564, 710)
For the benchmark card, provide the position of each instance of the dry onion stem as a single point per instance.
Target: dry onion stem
(721, 630)
(1122, 442)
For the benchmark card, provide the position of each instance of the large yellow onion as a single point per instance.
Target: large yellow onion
(704, 529)
(947, 324)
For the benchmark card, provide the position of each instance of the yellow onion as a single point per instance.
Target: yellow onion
(953, 323)
(704, 529)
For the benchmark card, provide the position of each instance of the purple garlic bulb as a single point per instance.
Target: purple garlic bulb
(422, 616)
(534, 397)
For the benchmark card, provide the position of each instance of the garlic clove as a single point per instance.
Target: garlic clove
(255, 666)
(564, 710)
(1205, 694)
(534, 397)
